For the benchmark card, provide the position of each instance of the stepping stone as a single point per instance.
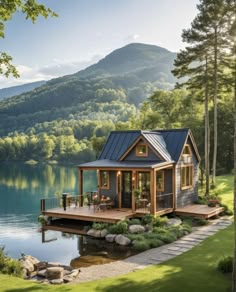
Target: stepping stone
(173, 248)
(191, 239)
(186, 246)
(173, 252)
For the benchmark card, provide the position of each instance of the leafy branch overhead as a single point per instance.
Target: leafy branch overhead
(32, 10)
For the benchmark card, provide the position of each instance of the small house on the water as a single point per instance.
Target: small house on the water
(155, 171)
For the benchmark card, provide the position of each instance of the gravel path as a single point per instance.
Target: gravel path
(152, 256)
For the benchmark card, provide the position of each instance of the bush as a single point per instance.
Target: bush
(160, 221)
(177, 231)
(9, 266)
(201, 222)
(226, 211)
(160, 230)
(120, 227)
(140, 245)
(186, 227)
(99, 226)
(225, 265)
(155, 242)
(134, 222)
(167, 238)
(134, 237)
(147, 219)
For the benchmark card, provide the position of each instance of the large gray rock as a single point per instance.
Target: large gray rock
(136, 229)
(174, 221)
(57, 281)
(97, 233)
(122, 240)
(110, 237)
(42, 273)
(54, 273)
(33, 260)
(27, 265)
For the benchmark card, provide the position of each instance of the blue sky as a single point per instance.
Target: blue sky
(87, 30)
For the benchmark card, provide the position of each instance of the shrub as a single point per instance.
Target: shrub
(177, 231)
(99, 226)
(229, 212)
(9, 266)
(147, 219)
(140, 245)
(226, 211)
(201, 221)
(135, 222)
(155, 242)
(134, 237)
(186, 227)
(120, 227)
(160, 221)
(225, 265)
(160, 230)
(167, 238)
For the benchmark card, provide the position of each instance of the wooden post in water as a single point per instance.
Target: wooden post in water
(80, 188)
(64, 195)
(42, 205)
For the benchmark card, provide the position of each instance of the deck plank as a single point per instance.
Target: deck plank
(199, 211)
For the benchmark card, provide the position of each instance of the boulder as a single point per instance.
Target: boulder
(27, 265)
(136, 229)
(53, 264)
(174, 221)
(94, 233)
(57, 281)
(122, 240)
(54, 273)
(33, 260)
(103, 233)
(74, 273)
(42, 273)
(110, 237)
(68, 279)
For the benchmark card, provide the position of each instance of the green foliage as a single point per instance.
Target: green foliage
(159, 221)
(147, 219)
(201, 221)
(135, 221)
(9, 266)
(100, 226)
(120, 227)
(140, 245)
(225, 265)
(160, 230)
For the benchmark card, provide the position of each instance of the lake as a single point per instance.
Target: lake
(21, 188)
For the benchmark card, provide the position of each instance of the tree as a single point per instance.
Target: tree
(32, 10)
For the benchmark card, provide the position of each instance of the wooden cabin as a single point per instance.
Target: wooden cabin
(151, 171)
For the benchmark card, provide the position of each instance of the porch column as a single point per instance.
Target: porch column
(81, 187)
(133, 188)
(99, 182)
(152, 192)
(118, 188)
(174, 185)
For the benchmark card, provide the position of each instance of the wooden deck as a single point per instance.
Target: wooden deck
(90, 214)
(199, 211)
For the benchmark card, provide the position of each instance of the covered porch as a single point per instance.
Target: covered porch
(141, 187)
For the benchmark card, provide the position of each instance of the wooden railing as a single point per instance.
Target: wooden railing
(164, 201)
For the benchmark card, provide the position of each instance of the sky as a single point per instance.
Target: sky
(87, 30)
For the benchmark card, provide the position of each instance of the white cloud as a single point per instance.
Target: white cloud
(132, 38)
(57, 68)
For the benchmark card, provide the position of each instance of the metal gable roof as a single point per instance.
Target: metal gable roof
(158, 143)
(168, 143)
(117, 143)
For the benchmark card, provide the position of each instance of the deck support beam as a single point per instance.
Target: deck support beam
(81, 187)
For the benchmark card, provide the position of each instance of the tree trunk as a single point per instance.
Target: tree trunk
(215, 106)
(207, 133)
(234, 258)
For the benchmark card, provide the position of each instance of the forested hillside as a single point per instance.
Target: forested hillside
(85, 105)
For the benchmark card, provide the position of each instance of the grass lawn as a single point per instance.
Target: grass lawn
(225, 189)
(192, 271)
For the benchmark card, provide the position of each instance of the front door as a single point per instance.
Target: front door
(126, 195)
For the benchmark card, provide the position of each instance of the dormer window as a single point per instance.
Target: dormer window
(187, 154)
(141, 150)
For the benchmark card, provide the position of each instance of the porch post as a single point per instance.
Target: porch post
(174, 185)
(155, 189)
(133, 188)
(118, 188)
(99, 182)
(152, 194)
(80, 187)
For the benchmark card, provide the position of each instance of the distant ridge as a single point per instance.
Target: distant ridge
(16, 90)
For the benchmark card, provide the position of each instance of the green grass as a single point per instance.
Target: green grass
(195, 270)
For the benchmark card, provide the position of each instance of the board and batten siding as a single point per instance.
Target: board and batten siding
(111, 192)
(188, 196)
(150, 157)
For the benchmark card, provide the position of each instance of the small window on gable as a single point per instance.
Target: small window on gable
(141, 150)
(104, 179)
(187, 150)
(187, 154)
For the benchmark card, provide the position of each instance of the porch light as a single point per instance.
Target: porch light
(118, 173)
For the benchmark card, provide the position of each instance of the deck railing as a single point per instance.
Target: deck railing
(66, 200)
(164, 201)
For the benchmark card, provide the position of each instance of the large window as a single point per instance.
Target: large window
(104, 179)
(186, 177)
(141, 150)
(160, 181)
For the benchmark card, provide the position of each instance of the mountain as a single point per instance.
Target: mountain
(16, 90)
(107, 90)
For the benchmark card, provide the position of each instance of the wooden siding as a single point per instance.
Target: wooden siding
(188, 196)
(111, 192)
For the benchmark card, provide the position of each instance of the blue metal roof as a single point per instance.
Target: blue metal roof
(168, 143)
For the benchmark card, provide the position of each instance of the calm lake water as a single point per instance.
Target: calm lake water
(21, 188)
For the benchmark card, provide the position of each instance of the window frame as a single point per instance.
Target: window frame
(137, 150)
(102, 185)
(184, 186)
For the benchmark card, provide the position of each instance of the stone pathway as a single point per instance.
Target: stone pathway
(153, 256)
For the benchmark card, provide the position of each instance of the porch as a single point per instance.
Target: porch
(199, 211)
